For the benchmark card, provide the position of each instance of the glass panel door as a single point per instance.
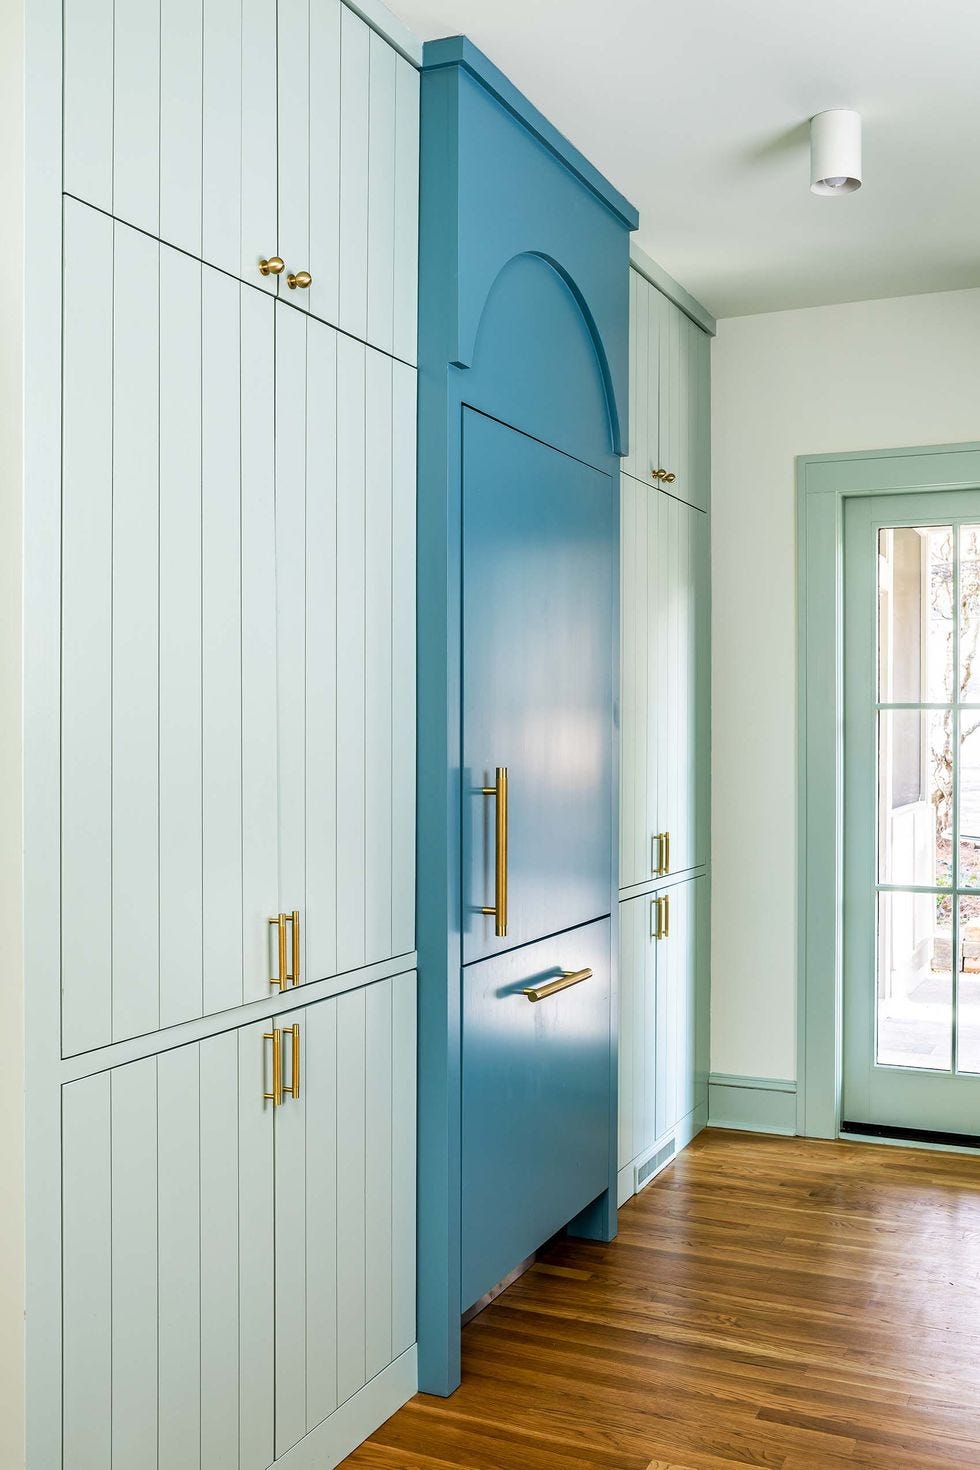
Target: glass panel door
(912, 813)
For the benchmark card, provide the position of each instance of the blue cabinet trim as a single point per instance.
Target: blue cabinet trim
(460, 51)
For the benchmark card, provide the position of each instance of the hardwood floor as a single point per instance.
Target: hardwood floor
(769, 1302)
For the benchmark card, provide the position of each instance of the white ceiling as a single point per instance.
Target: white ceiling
(697, 111)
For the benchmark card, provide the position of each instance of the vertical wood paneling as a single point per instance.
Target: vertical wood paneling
(86, 679)
(378, 714)
(88, 92)
(354, 171)
(255, 1308)
(261, 691)
(180, 793)
(321, 652)
(403, 534)
(136, 113)
(87, 1273)
(378, 1196)
(220, 1347)
(135, 634)
(297, 162)
(134, 1264)
(221, 656)
(406, 223)
(291, 414)
(381, 193)
(351, 582)
(259, 142)
(320, 1093)
(324, 153)
(179, 1261)
(627, 1029)
(181, 122)
(643, 448)
(403, 1157)
(292, 1250)
(221, 146)
(352, 1166)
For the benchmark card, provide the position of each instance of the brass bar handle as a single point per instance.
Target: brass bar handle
(655, 926)
(567, 979)
(666, 867)
(282, 978)
(292, 1086)
(293, 919)
(275, 1096)
(499, 908)
(657, 862)
(666, 933)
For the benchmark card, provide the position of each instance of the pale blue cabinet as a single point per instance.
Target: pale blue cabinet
(238, 1239)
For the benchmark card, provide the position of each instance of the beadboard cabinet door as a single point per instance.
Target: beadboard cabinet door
(168, 1261)
(170, 122)
(345, 1200)
(238, 651)
(239, 131)
(645, 368)
(664, 685)
(348, 173)
(170, 827)
(663, 1014)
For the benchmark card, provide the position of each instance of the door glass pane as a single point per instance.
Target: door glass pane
(968, 1010)
(915, 980)
(915, 615)
(969, 613)
(969, 798)
(915, 797)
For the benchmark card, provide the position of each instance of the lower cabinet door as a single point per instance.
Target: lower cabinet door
(345, 1199)
(680, 1028)
(637, 1027)
(168, 1261)
(536, 1099)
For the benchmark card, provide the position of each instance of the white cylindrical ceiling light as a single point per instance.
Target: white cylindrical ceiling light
(835, 152)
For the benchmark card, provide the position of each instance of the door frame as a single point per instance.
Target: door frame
(824, 482)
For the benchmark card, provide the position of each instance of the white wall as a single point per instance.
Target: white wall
(12, 973)
(872, 375)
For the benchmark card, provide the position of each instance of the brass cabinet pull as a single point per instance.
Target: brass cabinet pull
(293, 918)
(657, 474)
(283, 977)
(292, 1086)
(666, 866)
(272, 267)
(669, 479)
(657, 861)
(499, 908)
(275, 1096)
(567, 978)
(302, 279)
(655, 918)
(666, 929)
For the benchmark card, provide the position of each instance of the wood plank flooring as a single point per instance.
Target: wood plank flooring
(770, 1302)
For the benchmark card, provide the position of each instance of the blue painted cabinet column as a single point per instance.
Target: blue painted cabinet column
(523, 385)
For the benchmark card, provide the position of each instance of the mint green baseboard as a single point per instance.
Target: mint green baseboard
(756, 1104)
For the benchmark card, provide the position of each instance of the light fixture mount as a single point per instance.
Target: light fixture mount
(835, 152)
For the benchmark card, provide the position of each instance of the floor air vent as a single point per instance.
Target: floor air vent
(653, 1165)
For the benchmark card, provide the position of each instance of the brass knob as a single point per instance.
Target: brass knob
(657, 474)
(302, 279)
(669, 479)
(272, 266)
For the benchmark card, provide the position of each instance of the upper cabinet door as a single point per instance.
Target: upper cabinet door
(345, 553)
(538, 650)
(685, 432)
(169, 671)
(640, 656)
(348, 174)
(645, 369)
(170, 123)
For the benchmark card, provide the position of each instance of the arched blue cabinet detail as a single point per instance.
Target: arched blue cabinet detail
(523, 362)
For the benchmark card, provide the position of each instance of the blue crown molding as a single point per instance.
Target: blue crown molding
(460, 51)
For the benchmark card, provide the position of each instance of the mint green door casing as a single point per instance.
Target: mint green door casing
(825, 482)
(936, 1095)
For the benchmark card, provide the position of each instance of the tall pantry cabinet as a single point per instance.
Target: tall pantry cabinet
(664, 729)
(220, 732)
